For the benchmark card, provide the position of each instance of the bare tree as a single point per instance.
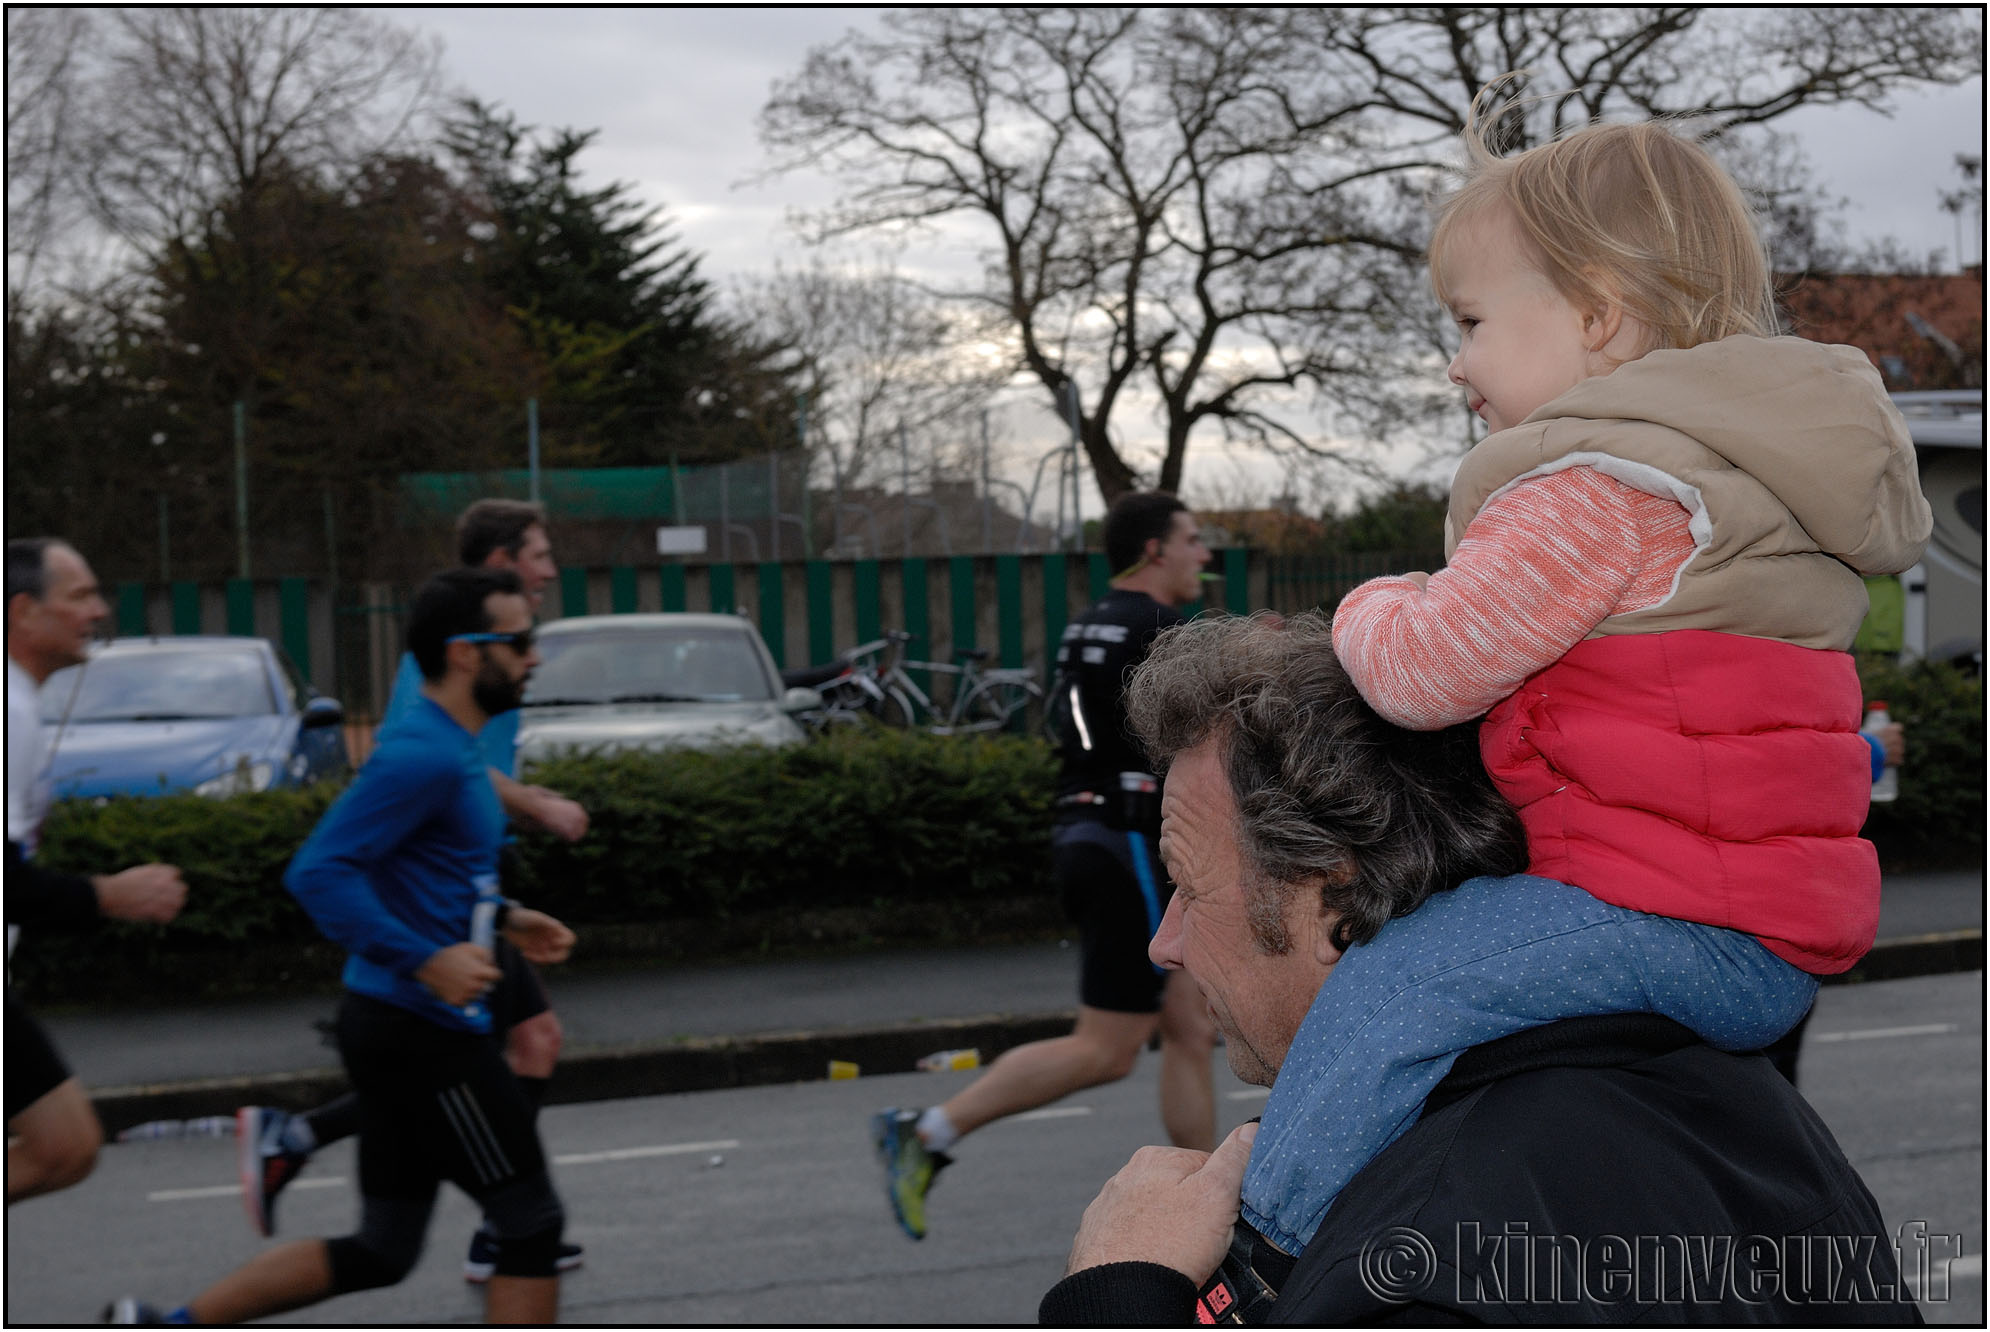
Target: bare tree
(1961, 202)
(875, 354)
(198, 125)
(197, 110)
(1727, 71)
(1218, 206)
(1158, 187)
(43, 201)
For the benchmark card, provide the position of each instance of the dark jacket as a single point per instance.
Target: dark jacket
(1598, 1170)
(45, 897)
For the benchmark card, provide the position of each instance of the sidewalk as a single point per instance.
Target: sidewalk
(640, 1033)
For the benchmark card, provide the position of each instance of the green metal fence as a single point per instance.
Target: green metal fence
(346, 638)
(809, 610)
(1317, 582)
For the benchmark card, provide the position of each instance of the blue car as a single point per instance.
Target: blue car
(217, 716)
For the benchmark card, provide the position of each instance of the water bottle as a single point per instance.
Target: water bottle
(1877, 720)
(945, 1060)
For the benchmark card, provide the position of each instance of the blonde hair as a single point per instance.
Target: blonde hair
(1631, 216)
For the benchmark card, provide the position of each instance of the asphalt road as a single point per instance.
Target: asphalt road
(792, 1226)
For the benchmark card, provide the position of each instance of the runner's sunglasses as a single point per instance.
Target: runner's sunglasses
(520, 642)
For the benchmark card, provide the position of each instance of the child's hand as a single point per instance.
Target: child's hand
(1422, 580)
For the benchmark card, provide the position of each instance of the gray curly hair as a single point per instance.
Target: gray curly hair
(1325, 789)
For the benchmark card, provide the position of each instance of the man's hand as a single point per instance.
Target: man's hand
(458, 974)
(538, 936)
(1893, 743)
(1170, 1206)
(151, 893)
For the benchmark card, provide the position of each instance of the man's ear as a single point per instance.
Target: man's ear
(19, 606)
(1326, 922)
(1326, 952)
(452, 654)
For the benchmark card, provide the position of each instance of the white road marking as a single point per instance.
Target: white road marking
(1886, 1033)
(576, 1158)
(235, 1190)
(636, 1153)
(1053, 1112)
(1248, 1094)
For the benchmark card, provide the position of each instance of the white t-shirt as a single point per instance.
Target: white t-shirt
(28, 784)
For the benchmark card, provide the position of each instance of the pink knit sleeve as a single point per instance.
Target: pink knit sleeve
(1537, 570)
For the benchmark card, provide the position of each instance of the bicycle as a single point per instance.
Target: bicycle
(874, 683)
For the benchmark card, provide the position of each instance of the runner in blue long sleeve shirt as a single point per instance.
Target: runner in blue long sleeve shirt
(397, 867)
(491, 534)
(402, 872)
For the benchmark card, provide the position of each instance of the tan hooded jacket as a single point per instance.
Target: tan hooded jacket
(1791, 459)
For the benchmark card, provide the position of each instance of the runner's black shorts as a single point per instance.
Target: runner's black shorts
(34, 1068)
(520, 995)
(1113, 889)
(434, 1104)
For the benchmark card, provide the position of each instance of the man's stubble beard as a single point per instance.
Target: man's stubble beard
(494, 691)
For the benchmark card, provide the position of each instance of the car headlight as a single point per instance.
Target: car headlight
(241, 779)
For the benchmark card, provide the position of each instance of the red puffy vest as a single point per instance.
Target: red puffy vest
(1704, 776)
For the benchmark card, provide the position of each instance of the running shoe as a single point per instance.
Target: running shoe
(266, 1164)
(481, 1263)
(128, 1312)
(908, 1167)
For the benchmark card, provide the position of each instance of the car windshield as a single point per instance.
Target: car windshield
(173, 684)
(648, 666)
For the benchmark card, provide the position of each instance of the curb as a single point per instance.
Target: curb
(710, 1064)
(718, 1063)
(1917, 955)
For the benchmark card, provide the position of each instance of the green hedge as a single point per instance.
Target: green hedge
(857, 819)
(862, 835)
(862, 819)
(1937, 822)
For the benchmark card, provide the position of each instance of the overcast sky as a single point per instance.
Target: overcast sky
(675, 94)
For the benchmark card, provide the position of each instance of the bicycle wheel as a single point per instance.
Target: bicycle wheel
(894, 709)
(844, 703)
(996, 705)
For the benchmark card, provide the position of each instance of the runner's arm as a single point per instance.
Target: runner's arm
(40, 896)
(331, 875)
(45, 897)
(538, 805)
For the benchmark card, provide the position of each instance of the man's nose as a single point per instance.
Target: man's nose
(1165, 949)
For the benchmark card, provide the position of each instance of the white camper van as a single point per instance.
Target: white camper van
(1944, 604)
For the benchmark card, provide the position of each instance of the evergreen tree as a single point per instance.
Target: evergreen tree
(1408, 516)
(635, 365)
